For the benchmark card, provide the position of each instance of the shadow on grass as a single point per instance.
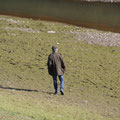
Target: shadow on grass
(49, 93)
(18, 89)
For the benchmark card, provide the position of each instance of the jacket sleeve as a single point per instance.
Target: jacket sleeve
(49, 64)
(62, 63)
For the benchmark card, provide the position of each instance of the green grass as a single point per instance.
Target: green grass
(23, 105)
(92, 80)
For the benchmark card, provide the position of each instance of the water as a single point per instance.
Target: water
(94, 14)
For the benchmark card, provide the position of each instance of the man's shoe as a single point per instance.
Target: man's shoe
(62, 93)
(55, 93)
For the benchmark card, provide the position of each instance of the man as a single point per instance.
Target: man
(56, 67)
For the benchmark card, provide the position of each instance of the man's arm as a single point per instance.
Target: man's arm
(49, 64)
(62, 63)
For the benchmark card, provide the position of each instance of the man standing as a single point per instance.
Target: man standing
(56, 67)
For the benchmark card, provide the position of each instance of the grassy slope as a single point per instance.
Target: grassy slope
(92, 83)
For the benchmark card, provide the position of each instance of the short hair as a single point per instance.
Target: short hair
(54, 48)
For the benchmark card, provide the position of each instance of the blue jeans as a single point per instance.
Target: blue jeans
(61, 78)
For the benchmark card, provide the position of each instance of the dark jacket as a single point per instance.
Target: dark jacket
(55, 64)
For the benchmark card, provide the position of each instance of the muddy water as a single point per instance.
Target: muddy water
(105, 16)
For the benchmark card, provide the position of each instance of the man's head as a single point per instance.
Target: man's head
(54, 48)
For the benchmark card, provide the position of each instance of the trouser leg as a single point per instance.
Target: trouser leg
(61, 78)
(55, 83)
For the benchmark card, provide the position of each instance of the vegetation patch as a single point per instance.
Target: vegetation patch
(92, 79)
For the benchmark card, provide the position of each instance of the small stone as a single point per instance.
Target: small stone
(86, 101)
(51, 32)
(59, 116)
